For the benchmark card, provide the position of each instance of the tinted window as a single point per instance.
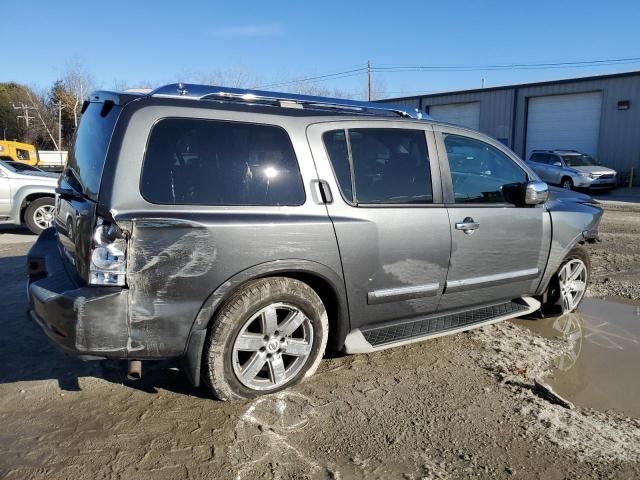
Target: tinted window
(479, 171)
(87, 157)
(540, 158)
(336, 144)
(390, 166)
(204, 162)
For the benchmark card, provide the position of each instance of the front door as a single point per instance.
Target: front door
(5, 194)
(498, 250)
(392, 229)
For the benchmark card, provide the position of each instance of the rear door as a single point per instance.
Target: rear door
(80, 182)
(498, 250)
(392, 229)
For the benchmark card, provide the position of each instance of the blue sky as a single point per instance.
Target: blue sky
(159, 42)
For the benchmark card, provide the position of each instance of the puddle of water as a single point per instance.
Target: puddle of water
(601, 371)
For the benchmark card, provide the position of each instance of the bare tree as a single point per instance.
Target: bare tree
(79, 82)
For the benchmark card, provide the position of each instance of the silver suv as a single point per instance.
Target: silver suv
(26, 195)
(571, 169)
(245, 232)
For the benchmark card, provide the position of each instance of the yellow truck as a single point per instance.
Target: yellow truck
(53, 161)
(19, 152)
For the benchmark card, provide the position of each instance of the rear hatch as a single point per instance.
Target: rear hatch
(79, 184)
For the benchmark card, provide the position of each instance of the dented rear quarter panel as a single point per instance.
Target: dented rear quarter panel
(179, 255)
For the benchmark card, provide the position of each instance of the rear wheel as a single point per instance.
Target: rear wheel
(567, 183)
(39, 215)
(267, 337)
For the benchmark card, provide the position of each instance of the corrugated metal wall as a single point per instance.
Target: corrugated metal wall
(619, 145)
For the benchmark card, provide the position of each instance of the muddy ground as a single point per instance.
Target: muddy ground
(455, 407)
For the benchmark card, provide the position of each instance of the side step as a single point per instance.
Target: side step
(371, 339)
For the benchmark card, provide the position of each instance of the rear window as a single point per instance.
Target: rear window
(210, 162)
(87, 157)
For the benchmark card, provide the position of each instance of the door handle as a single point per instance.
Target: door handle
(468, 225)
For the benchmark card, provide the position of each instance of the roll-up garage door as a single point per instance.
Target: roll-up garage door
(464, 114)
(564, 122)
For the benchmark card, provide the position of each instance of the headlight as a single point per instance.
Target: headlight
(108, 257)
(583, 174)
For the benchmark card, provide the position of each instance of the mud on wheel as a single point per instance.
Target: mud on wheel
(568, 286)
(268, 336)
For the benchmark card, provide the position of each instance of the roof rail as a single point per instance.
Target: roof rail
(292, 100)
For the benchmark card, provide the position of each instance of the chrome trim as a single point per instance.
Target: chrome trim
(402, 293)
(490, 280)
(211, 92)
(536, 192)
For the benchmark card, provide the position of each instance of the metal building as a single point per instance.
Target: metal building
(598, 115)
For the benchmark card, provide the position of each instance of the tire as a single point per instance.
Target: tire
(38, 216)
(567, 183)
(556, 295)
(245, 320)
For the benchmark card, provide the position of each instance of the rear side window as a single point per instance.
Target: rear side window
(207, 162)
(390, 166)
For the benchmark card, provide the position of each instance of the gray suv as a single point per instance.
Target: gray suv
(245, 232)
(571, 169)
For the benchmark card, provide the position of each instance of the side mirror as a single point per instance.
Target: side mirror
(530, 193)
(536, 192)
(557, 164)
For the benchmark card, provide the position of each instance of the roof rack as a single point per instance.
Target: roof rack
(291, 100)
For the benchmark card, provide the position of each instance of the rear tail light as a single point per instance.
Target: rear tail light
(108, 264)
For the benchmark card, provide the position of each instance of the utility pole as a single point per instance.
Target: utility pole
(25, 112)
(60, 106)
(369, 77)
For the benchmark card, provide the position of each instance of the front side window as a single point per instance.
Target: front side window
(390, 166)
(478, 170)
(207, 162)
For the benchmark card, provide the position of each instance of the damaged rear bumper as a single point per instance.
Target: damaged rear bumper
(83, 320)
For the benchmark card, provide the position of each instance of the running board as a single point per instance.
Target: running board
(371, 339)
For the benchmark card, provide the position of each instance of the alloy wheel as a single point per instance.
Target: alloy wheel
(573, 283)
(43, 216)
(272, 346)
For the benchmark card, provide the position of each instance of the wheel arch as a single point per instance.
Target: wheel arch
(325, 282)
(30, 197)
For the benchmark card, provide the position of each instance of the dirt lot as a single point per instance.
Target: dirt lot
(456, 407)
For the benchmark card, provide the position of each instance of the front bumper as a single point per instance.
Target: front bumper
(588, 182)
(82, 320)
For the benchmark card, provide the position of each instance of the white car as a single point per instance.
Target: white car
(27, 195)
(571, 169)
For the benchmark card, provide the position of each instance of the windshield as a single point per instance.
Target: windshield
(90, 145)
(579, 161)
(19, 167)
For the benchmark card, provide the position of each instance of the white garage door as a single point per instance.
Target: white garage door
(564, 122)
(464, 114)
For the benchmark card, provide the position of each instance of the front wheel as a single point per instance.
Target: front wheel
(268, 336)
(39, 215)
(569, 284)
(567, 183)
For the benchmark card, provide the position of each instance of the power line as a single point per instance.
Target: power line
(328, 76)
(513, 66)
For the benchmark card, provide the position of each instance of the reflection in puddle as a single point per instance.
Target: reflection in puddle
(602, 369)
